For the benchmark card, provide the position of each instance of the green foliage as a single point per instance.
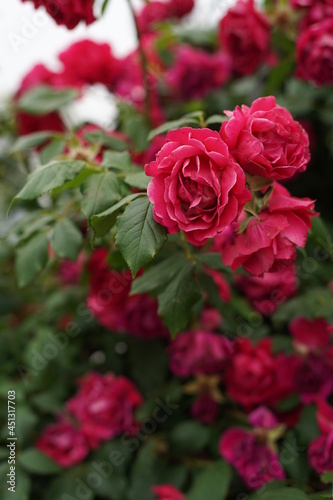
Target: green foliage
(139, 237)
(45, 99)
(31, 258)
(213, 483)
(66, 239)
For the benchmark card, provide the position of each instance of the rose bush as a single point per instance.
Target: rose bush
(168, 333)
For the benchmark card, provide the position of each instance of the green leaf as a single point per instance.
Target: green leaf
(189, 437)
(31, 141)
(99, 191)
(213, 260)
(187, 120)
(138, 180)
(139, 237)
(66, 240)
(49, 177)
(33, 460)
(279, 494)
(327, 477)
(31, 258)
(212, 484)
(159, 275)
(148, 367)
(105, 220)
(119, 160)
(177, 298)
(55, 148)
(45, 99)
(106, 140)
(219, 119)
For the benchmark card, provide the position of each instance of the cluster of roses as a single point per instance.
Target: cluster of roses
(218, 374)
(314, 49)
(202, 181)
(70, 13)
(102, 409)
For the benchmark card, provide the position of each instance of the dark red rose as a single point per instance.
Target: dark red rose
(267, 292)
(313, 378)
(255, 376)
(320, 453)
(245, 34)
(88, 62)
(195, 353)
(104, 406)
(255, 462)
(195, 72)
(65, 444)
(205, 409)
(68, 12)
(314, 53)
(310, 335)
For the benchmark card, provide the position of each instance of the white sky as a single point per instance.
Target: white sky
(28, 37)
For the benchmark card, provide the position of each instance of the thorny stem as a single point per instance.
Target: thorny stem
(144, 65)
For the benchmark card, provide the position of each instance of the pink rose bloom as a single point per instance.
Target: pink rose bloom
(255, 376)
(324, 416)
(68, 12)
(197, 187)
(196, 72)
(265, 139)
(167, 492)
(89, 62)
(254, 461)
(310, 335)
(195, 353)
(269, 241)
(270, 290)
(307, 4)
(65, 444)
(313, 378)
(104, 406)
(205, 409)
(263, 418)
(245, 34)
(320, 453)
(314, 53)
(210, 319)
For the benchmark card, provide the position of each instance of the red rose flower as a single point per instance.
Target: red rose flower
(307, 4)
(270, 290)
(65, 444)
(205, 409)
(68, 12)
(314, 53)
(167, 492)
(89, 62)
(195, 353)
(263, 418)
(254, 461)
(245, 35)
(310, 335)
(324, 416)
(313, 378)
(265, 140)
(269, 240)
(110, 301)
(195, 72)
(255, 376)
(197, 187)
(104, 406)
(320, 453)
(318, 12)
